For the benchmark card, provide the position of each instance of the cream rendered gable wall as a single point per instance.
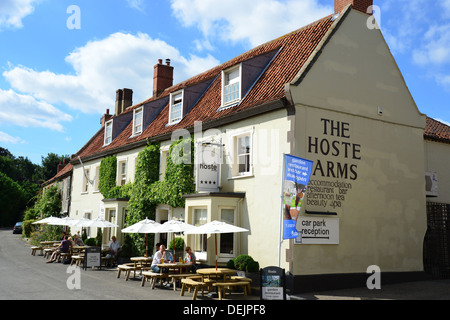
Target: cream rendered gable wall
(357, 121)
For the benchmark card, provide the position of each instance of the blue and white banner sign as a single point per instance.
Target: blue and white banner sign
(297, 172)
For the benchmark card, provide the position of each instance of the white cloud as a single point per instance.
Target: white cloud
(13, 11)
(436, 49)
(247, 20)
(101, 67)
(136, 4)
(26, 111)
(6, 138)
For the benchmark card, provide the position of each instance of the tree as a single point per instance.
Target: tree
(12, 201)
(49, 166)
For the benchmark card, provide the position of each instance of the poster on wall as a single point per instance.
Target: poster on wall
(297, 172)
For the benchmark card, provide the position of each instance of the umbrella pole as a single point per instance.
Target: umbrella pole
(146, 245)
(215, 241)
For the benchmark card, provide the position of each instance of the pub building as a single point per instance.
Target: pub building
(330, 92)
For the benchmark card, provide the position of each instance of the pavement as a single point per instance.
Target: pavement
(438, 289)
(23, 276)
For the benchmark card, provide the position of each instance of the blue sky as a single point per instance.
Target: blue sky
(61, 61)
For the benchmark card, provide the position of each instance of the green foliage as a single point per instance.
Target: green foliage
(141, 204)
(148, 191)
(230, 264)
(28, 228)
(179, 175)
(91, 242)
(252, 266)
(124, 191)
(49, 166)
(241, 262)
(31, 214)
(179, 244)
(49, 202)
(45, 233)
(107, 176)
(12, 201)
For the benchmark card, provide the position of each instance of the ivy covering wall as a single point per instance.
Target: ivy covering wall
(107, 176)
(148, 191)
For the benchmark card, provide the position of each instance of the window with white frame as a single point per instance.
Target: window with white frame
(231, 86)
(227, 239)
(122, 173)
(137, 121)
(200, 218)
(163, 164)
(242, 152)
(176, 107)
(108, 132)
(85, 180)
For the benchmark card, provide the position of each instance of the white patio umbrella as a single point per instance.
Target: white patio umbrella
(101, 223)
(83, 222)
(47, 220)
(175, 226)
(144, 226)
(215, 227)
(66, 221)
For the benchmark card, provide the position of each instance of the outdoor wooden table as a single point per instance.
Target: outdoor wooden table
(141, 261)
(208, 272)
(175, 265)
(78, 249)
(50, 243)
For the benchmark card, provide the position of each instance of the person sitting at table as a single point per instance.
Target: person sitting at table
(77, 240)
(160, 254)
(190, 258)
(63, 247)
(114, 247)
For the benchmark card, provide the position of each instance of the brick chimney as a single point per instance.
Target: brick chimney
(162, 77)
(360, 5)
(61, 166)
(106, 117)
(124, 99)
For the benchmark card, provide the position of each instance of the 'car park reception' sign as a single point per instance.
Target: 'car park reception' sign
(318, 230)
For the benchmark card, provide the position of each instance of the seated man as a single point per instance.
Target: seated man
(114, 247)
(160, 254)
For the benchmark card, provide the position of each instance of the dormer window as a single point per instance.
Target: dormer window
(176, 107)
(137, 121)
(108, 132)
(231, 87)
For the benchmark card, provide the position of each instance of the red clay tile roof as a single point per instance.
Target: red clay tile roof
(437, 131)
(294, 49)
(67, 170)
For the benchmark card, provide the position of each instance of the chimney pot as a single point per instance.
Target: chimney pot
(162, 77)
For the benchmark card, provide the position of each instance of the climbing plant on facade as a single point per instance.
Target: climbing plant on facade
(107, 175)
